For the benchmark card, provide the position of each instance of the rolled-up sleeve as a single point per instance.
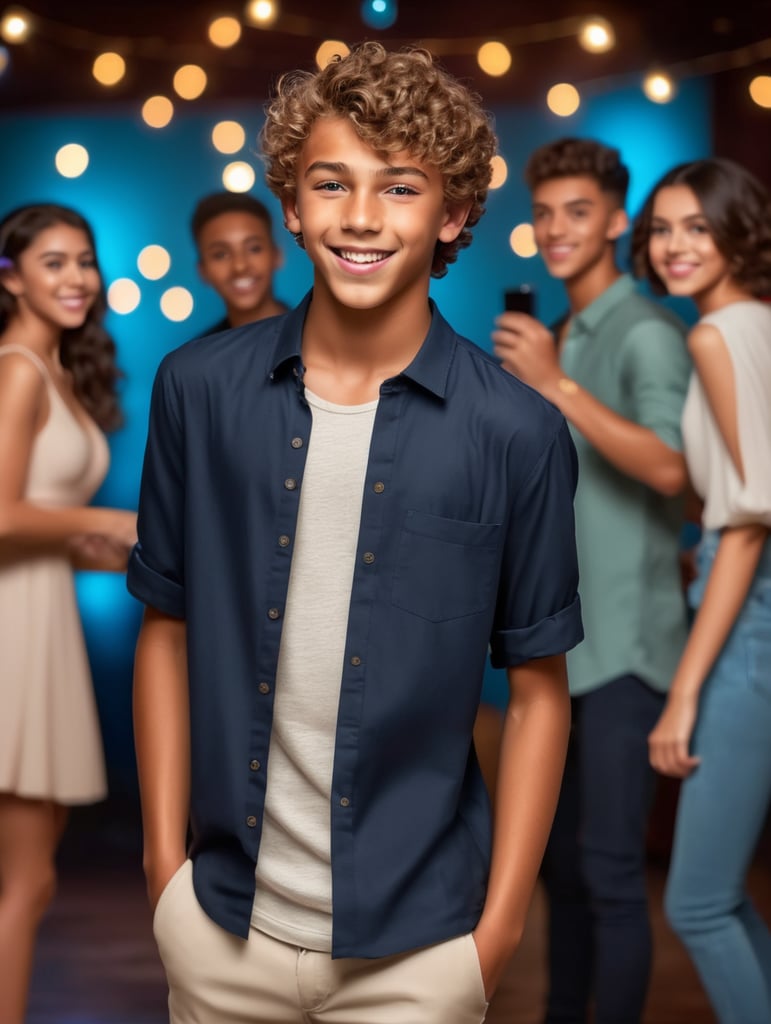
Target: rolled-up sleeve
(539, 611)
(156, 567)
(656, 373)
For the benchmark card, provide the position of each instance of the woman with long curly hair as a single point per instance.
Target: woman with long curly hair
(57, 396)
(705, 233)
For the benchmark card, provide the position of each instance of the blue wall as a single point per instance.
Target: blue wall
(140, 187)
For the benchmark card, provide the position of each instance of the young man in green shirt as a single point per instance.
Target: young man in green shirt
(618, 371)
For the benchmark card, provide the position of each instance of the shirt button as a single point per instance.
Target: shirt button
(368, 557)
(345, 802)
(356, 660)
(264, 687)
(290, 484)
(273, 613)
(283, 541)
(378, 487)
(254, 765)
(297, 442)
(251, 821)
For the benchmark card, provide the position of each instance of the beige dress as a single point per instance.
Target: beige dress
(50, 741)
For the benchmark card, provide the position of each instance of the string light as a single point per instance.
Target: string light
(109, 68)
(597, 36)
(261, 13)
(225, 32)
(176, 303)
(153, 262)
(189, 81)
(330, 49)
(157, 111)
(760, 90)
(500, 171)
(522, 241)
(15, 25)
(71, 160)
(658, 87)
(238, 176)
(379, 13)
(494, 58)
(123, 296)
(228, 137)
(563, 99)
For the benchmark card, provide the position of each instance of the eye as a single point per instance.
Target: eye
(329, 186)
(658, 229)
(402, 190)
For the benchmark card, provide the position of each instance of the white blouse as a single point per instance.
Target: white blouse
(746, 330)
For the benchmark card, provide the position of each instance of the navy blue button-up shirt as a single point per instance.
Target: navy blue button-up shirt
(468, 511)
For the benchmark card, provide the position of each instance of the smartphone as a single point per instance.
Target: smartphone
(520, 300)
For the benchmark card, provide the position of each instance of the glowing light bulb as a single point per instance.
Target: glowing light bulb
(176, 303)
(123, 296)
(500, 171)
(15, 25)
(563, 99)
(224, 32)
(157, 111)
(109, 68)
(189, 81)
(238, 176)
(228, 137)
(494, 58)
(261, 13)
(522, 241)
(379, 13)
(153, 262)
(329, 50)
(659, 87)
(71, 160)
(760, 90)
(597, 36)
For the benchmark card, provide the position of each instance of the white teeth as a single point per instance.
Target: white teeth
(362, 257)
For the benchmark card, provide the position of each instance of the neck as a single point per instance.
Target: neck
(348, 353)
(268, 307)
(723, 294)
(41, 337)
(590, 285)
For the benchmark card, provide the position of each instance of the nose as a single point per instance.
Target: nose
(361, 212)
(76, 274)
(239, 260)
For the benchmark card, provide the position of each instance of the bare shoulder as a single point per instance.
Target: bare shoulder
(22, 385)
(706, 340)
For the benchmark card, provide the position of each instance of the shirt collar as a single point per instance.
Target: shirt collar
(429, 369)
(589, 319)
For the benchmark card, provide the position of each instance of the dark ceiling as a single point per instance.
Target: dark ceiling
(53, 68)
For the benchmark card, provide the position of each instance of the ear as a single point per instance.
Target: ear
(291, 214)
(455, 216)
(618, 224)
(11, 281)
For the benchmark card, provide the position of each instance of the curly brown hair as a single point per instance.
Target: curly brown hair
(583, 158)
(737, 209)
(396, 101)
(88, 352)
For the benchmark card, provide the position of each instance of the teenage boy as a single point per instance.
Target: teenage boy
(237, 256)
(618, 370)
(340, 509)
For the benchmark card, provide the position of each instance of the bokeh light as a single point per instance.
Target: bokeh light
(760, 90)
(225, 32)
(15, 25)
(379, 13)
(228, 136)
(522, 241)
(597, 36)
(157, 111)
(5, 59)
(238, 176)
(563, 99)
(153, 262)
(494, 58)
(123, 296)
(109, 68)
(500, 171)
(330, 49)
(261, 13)
(176, 303)
(71, 160)
(658, 87)
(189, 81)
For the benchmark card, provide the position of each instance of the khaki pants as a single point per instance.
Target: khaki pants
(216, 978)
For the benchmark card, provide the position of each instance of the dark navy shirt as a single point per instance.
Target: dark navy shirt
(466, 544)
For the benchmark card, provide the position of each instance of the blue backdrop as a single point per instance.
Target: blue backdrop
(140, 188)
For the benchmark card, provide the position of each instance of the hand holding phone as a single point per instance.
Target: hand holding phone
(520, 300)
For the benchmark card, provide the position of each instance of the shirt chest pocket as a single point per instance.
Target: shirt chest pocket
(446, 568)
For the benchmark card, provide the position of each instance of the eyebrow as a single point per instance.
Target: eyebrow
(385, 172)
(570, 202)
(63, 255)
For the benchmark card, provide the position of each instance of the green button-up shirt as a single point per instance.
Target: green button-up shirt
(630, 354)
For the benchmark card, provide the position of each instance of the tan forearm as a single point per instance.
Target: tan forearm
(35, 526)
(729, 582)
(532, 760)
(634, 450)
(162, 739)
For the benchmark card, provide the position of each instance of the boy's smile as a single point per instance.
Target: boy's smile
(369, 221)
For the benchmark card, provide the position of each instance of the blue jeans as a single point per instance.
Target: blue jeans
(594, 866)
(722, 810)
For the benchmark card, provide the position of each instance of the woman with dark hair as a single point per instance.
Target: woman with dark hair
(57, 396)
(705, 233)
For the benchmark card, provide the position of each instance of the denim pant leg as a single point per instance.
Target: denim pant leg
(571, 941)
(618, 783)
(720, 816)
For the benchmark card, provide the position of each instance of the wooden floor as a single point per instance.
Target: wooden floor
(97, 964)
